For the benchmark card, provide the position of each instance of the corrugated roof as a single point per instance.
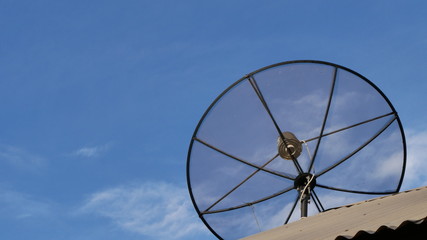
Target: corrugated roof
(351, 221)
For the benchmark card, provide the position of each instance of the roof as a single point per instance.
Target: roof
(377, 216)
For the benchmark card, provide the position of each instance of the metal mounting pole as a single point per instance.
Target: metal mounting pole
(304, 203)
(304, 183)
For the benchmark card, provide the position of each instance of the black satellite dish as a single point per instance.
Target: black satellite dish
(302, 134)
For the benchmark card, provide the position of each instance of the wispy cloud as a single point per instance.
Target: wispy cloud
(155, 209)
(20, 158)
(91, 151)
(22, 206)
(415, 175)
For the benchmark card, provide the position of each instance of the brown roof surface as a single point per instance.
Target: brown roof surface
(354, 221)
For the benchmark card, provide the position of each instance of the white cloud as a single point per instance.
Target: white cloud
(416, 174)
(156, 209)
(20, 158)
(91, 151)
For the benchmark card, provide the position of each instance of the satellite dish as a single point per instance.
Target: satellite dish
(291, 140)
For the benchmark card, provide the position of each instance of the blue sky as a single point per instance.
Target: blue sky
(99, 99)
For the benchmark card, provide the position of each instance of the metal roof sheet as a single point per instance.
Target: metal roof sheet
(348, 221)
